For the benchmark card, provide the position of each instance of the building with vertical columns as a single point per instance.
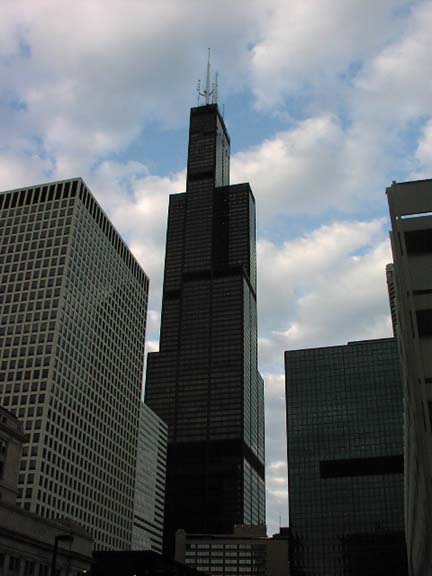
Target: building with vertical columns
(73, 304)
(410, 206)
(26, 539)
(150, 482)
(345, 463)
(204, 381)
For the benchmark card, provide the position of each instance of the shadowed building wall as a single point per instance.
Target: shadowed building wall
(410, 205)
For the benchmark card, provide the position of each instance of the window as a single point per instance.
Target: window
(3, 449)
(418, 241)
(424, 322)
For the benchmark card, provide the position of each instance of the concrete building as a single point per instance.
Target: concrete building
(246, 552)
(27, 541)
(410, 206)
(345, 463)
(204, 381)
(150, 482)
(73, 305)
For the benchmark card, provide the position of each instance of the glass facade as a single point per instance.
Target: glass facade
(345, 464)
(73, 304)
(204, 381)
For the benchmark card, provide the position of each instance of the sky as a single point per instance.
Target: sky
(326, 101)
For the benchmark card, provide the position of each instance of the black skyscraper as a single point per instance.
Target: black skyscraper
(345, 464)
(204, 382)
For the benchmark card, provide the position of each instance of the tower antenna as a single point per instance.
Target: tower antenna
(207, 92)
(207, 86)
(215, 89)
(198, 92)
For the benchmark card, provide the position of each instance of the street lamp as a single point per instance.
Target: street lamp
(57, 539)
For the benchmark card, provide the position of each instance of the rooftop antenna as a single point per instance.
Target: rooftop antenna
(207, 92)
(207, 87)
(215, 89)
(198, 92)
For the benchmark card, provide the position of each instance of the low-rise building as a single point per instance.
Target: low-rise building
(247, 551)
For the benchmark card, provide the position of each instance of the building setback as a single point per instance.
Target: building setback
(410, 206)
(345, 464)
(150, 482)
(204, 381)
(73, 306)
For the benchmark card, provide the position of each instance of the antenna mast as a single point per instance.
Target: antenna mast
(207, 85)
(213, 93)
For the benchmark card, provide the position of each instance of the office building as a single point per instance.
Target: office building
(26, 540)
(410, 206)
(246, 552)
(72, 323)
(204, 382)
(150, 482)
(345, 463)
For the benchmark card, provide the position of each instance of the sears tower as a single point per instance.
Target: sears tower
(204, 381)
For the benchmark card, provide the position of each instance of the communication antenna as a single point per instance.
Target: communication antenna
(215, 89)
(207, 94)
(198, 92)
(207, 88)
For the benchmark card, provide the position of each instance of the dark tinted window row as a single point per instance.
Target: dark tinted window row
(361, 466)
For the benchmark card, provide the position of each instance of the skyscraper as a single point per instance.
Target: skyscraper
(345, 465)
(150, 482)
(410, 206)
(73, 304)
(204, 381)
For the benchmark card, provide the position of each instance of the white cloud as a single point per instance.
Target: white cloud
(88, 75)
(316, 166)
(325, 288)
(308, 45)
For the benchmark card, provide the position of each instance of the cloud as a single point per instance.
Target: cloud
(308, 46)
(316, 166)
(276, 455)
(391, 87)
(85, 77)
(324, 288)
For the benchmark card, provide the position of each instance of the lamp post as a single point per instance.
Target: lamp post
(57, 539)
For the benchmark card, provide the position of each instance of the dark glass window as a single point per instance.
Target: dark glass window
(418, 241)
(424, 322)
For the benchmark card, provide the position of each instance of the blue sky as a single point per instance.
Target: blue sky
(326, 102)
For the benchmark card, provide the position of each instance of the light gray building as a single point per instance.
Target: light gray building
(73, 304)
(246, 552)
(410, 206)
(27, 541)
(150, 482)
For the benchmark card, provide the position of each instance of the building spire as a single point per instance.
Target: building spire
(207, 94)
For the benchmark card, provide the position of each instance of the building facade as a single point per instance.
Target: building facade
(204, 381)
(26, 540)
(246, 552)
(345, 463)
(150, 482)
(410, 206)
(73, 306)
